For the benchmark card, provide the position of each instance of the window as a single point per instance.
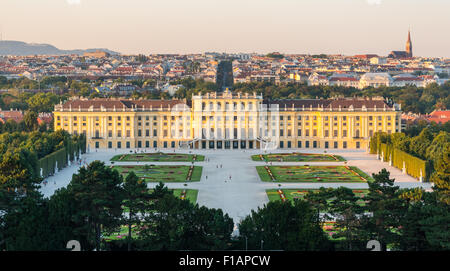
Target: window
(307, 132)
(109, 145)
(299, 144)
(314, 132)
(139, 132)
(110, 133)
(281, 133)
(119, 133)
(335, 145)
(128, 133)
(147, 132)
(335, 133)
(326, 133)
(299, 132)
(344, 133)
(344, 144)
(128, 145)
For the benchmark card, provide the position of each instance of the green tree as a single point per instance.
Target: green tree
(386, 208)
(30, 120)
(175, 224)
(136, 197)
(346, 208)
(99, 196)
(24, 225)
(284, 226)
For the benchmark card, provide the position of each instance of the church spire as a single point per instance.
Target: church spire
(409, 45)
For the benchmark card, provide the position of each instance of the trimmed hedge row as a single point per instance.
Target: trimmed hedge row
(60, 158)
(414, 166)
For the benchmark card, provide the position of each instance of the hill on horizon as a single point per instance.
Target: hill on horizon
(19, 48)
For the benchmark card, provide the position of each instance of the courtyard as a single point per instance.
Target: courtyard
(244, 191)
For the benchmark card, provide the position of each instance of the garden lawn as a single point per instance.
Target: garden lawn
(313, 174)
(165, 174)
(158, 157)
(292, 194)
(297, 157)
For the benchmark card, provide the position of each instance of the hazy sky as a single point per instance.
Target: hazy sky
(194, 26)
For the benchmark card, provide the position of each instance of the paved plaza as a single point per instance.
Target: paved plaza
(244, 191)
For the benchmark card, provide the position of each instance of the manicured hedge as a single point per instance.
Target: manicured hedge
(414, 166)
(60, 158)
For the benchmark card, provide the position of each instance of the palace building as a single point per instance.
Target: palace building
(228, 120)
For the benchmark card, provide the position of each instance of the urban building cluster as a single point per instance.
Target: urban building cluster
(397, 69)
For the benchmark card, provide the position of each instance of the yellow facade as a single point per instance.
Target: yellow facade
(228, 121)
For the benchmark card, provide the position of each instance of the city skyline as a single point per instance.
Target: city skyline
(345, 27)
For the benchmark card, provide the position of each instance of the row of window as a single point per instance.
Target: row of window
(147, 118)
(316, 144)
(282, 144)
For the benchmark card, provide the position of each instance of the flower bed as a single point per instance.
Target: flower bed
(307, 173)
(297, 157)
(163, 173)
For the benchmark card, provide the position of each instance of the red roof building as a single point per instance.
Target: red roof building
(439, 116)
